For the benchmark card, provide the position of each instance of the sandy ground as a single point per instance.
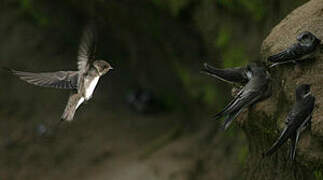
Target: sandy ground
(137, 148)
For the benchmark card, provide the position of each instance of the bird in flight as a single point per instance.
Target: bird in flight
(82, 82)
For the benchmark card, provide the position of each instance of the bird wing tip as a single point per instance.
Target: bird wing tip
(217, 116)
(223, 128)
(7, 69)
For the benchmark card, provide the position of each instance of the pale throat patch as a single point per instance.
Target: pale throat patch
(307, 94)
(90, 89)
(249, 74)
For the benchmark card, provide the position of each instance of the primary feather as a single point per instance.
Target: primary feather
(59, 79)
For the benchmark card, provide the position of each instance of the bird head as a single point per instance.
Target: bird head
(102, 66)
(306, 38)
(252, 68)
(303, 90)
(256, 70)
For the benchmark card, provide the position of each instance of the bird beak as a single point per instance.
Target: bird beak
(111, 68)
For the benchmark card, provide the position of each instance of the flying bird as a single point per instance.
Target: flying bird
(297, 120)
(238, 75)
(82, 82)
(255, 90)
(307, 47)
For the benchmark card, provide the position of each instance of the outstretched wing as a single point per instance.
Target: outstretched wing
(87, 49)
(59, 79)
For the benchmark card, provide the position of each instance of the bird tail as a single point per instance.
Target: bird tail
(281, 140)
(229, 120)
(74, 101)
(273, 149)
(228, 111)
(218, 115)
(293, 144)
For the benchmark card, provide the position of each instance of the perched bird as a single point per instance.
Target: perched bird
(307, 47)
(82, 82)
(238, 75)
(255, 90)
(297, 120)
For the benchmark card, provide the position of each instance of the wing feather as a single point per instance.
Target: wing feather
(87, 49)
(231, 75)
(59, 79)
(292, 53)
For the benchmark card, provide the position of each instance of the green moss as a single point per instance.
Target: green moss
(243, 154)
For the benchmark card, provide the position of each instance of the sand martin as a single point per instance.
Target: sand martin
(297, 120)
(307, 46)
(255, 90)
(238, 75)
(82, 82)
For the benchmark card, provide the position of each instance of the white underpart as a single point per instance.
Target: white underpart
(90, 89)
(307, 94)
(249, 74)
(80, 102)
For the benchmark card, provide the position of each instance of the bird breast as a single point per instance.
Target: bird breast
(81, 100)
(90, 86)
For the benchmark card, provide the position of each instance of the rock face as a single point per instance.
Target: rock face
(263, 123)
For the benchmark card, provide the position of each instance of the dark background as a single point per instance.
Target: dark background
(156, 47)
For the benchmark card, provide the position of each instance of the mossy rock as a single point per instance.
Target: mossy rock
(263, 122)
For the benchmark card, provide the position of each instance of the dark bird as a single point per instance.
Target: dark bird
(255, 90)
(307, 47)
(238, 75)
(82, 82)
(297, 120)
